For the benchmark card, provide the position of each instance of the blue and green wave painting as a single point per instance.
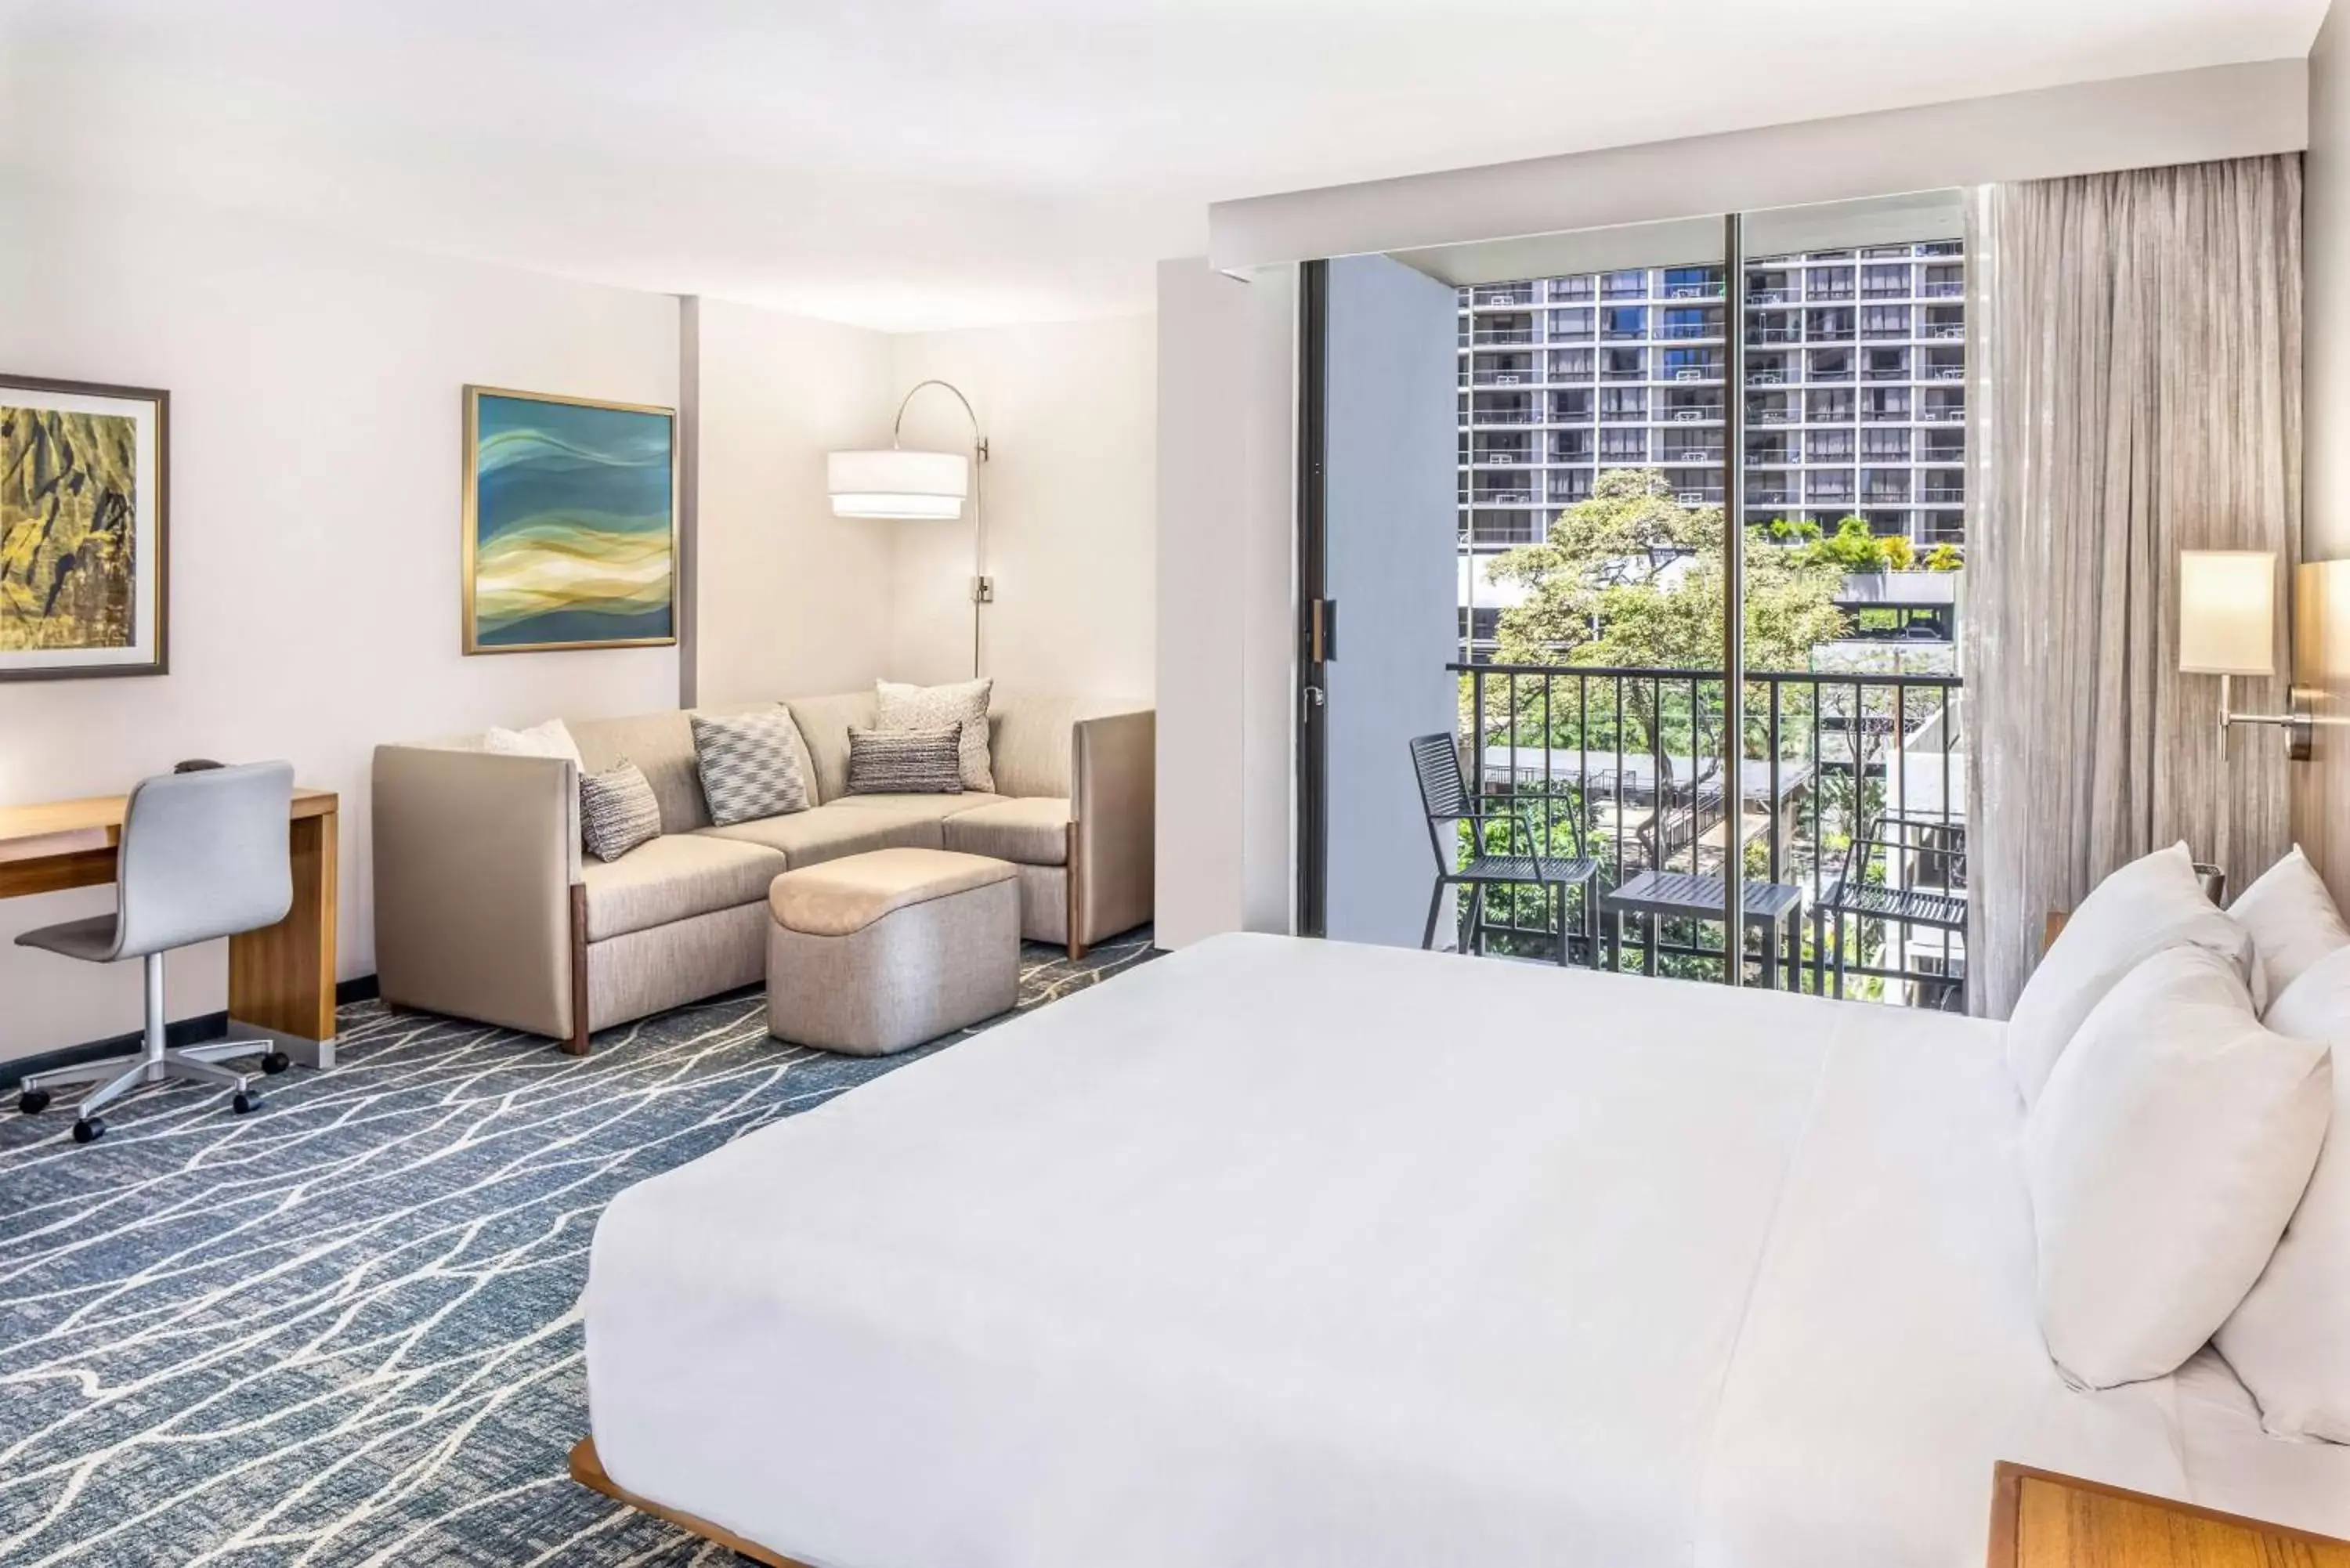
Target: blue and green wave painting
(572, 526)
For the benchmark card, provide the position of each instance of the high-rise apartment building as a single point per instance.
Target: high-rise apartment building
(1855, 394)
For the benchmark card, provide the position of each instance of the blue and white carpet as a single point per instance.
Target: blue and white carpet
(344, 1330)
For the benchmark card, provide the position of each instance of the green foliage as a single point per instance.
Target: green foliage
(1854, 548)
(1945, 558)
(1632, 577)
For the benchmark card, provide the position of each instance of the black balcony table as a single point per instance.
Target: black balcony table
(1774, 907)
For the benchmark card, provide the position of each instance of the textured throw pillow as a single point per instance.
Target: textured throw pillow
(552, 739)
(905, 761)
(962, 704)
(2173, 1141)
(2292, 920)
(617, 811)
(2150, 904)
(2290, 1341)
(749, 764)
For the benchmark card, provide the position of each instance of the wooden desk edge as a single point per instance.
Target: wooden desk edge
(2007, 1479)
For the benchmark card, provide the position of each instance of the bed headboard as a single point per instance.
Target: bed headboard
(2321, 671)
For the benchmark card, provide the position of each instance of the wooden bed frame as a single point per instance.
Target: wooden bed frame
(588, 1471)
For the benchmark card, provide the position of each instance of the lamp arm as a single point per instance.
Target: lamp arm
(982, 591)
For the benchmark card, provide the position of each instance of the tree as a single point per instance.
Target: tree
(1631, 578)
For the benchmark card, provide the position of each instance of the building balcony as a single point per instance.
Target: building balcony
(1504, 378)
(1941, 494)
(1694, 413)
(1503, 417)
(1500, 459)
(1827, 294)
(1572, 291)
(1521, 496)
(1942, 290)
(1686, 331)
(1502, 296)
(1766, 377)
(1770, 297)
(1842, 373)
(1499, 337)
(1714, 290)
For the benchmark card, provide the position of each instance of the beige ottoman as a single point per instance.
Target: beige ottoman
(875, 953)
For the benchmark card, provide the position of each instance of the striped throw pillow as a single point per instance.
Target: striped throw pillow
(750, 764)
(617, 811)
(905, 761)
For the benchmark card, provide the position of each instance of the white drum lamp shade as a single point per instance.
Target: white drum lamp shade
(898, 483)
(2227, 612)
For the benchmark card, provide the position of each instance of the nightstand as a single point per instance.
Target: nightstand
(2040, 1519)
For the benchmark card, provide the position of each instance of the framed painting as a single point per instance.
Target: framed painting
(570, 523)
(84, 580)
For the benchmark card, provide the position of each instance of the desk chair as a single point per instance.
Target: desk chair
(203, 854)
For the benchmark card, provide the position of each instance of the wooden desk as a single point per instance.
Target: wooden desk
(281, 980)
(2039, 1520)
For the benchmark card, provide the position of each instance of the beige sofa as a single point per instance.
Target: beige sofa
(485, 906)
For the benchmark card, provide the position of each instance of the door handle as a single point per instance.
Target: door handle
(1314, 697)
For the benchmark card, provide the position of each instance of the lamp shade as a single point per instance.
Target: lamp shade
(2227, 612)
(898, 483)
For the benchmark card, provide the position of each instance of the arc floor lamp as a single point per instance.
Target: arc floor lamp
(922, 485)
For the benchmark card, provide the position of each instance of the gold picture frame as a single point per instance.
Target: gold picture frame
(561, 552)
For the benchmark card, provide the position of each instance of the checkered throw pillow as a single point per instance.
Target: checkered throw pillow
(617, 811)
(905, 761)
(750, 764)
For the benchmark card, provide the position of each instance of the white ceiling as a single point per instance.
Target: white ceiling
(918, 163)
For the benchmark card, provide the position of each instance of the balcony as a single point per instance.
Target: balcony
(1713, 290)
(1501, 459)
(1941, 494)
(1709, 454)
(1572, 291)
(1503, 417)
(1683, 331)
(1772, 417)
(1769, 495)
(1623, 765)
(1942, 289)
(1503, 377)
(1521, 496)
(1693, 413)
(1771, 296)
(1500, 297)
(1499, 337)
(1884, 451)
(1831, 373)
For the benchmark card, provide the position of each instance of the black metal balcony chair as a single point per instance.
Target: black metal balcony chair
(1930, 893)
(1444, 794)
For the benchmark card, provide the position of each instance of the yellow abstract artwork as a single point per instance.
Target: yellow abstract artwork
(69, 576)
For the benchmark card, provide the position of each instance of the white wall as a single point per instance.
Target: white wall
(2132, 122)
(1069, 410)
(1226, 573)
(313, 525)
(2325, 297)
(791, 599)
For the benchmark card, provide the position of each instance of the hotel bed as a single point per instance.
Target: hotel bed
(1288, 1252)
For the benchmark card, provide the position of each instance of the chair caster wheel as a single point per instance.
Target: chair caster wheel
(88, 1130)
(33, 1102)
(244, 1100)
(275, 1061)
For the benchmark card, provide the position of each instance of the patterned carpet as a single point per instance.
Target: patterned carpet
(344, 1330)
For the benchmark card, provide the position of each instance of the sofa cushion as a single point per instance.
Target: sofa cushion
(661, 745)
(825, 723)
(1032, 832)
(961, 707)
(674, 877)
(928, 807)
(829, 832)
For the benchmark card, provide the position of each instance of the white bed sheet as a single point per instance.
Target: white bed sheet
(1278, 1252)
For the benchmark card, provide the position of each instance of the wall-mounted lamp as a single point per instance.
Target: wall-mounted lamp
(2227, 628)
(922, 484)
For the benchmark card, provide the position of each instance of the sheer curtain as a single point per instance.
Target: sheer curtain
(2136, 391)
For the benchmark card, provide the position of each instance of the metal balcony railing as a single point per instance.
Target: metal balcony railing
(1628, 766)
(1692, 455)
(1942, 290)
(1503, 417)
(1941, 494)
(1694, 291)
(1501, 295)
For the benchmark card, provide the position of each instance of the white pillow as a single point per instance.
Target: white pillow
(552, 739)
(2174, 1139)
(2152, 903)
(2292, 920)
(2289, 1340)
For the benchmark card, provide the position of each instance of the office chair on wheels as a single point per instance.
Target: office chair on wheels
(203, 854)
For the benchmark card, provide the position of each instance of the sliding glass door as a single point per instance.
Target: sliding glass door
(1650, 427)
